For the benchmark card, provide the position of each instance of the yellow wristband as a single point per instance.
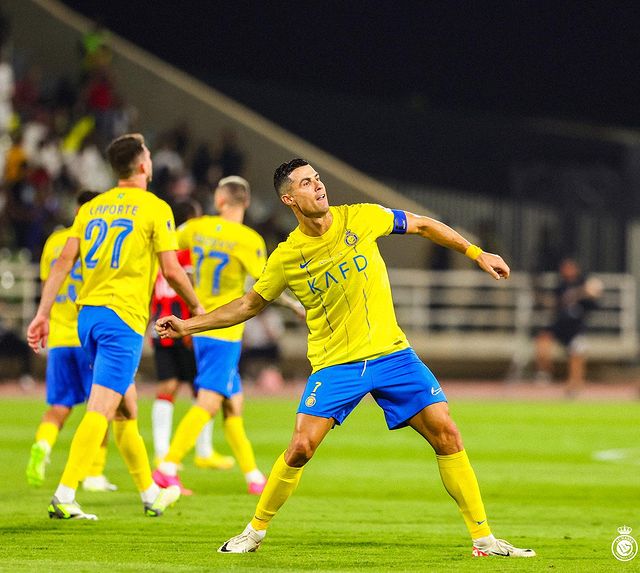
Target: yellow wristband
(473, 252)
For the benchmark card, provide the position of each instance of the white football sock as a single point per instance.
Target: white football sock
(260, 533)
(168, 468)
(204, 445)
(254, 475)
(149, 495)
(46, 446)
(162, 420)
(484, 541)
(65, 494)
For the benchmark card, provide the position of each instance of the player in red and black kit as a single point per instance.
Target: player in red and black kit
(175, 363)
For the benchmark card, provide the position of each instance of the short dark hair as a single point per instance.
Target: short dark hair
(281, 174)
(185, 210)
(238, 189)
(123, 151)
(85, 196)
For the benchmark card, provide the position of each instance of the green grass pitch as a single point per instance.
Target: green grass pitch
(371, 500)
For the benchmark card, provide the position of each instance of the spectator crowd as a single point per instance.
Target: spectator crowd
(53, 132)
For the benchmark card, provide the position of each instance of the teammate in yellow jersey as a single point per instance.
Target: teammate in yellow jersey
(332, 265)
(68, 375)
(176, 363)
(119, 238)
(223, 253)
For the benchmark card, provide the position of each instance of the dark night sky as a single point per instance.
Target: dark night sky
(571, 60)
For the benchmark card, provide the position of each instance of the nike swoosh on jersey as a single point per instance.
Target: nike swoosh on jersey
(434, 391)
(305, 264)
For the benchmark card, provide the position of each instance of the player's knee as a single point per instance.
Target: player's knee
(57, 415)
(168, 387)
(233, 407)
(300, 451)
(446, 438)
(209, 401)
(126, 410)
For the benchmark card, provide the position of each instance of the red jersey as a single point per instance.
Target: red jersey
(165, 300)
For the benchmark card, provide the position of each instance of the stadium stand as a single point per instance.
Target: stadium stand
(65, 118)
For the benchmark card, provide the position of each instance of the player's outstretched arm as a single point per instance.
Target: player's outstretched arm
(38, 330)
(444, 235)
(230, 314)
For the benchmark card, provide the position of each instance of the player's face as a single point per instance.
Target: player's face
(307, 192)
(569, 270)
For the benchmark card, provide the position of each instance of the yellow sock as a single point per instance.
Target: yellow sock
(282, 482)
(187, 433)
(460, 481)
(240, 445)
(131, 447)
(84, 446)
(97, 466)
(48, 432)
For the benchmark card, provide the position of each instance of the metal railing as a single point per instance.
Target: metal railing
(439, 310)
(19, 288)
(500, 317)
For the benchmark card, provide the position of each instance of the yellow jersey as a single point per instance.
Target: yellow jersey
(223, 253)
(342, 281)
(63, 326)
(121, 231)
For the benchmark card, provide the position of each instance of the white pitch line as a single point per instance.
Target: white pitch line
(618, 455)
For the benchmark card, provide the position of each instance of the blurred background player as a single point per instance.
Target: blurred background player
(120, 237)
(223, 252)
(68, 376)
(571, 301)
(175, 361)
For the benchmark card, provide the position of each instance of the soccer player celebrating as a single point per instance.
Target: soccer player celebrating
(223, 253)
(332, 265)
(68, 370)
(119, 237)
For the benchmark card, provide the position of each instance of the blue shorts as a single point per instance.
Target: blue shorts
(217, 365)
(114, 348)
(68, 376)
(399, 382)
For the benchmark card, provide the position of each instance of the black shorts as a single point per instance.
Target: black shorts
(565, 332)
(175, 361)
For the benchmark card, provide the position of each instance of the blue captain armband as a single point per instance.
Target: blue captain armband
(399, 222)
